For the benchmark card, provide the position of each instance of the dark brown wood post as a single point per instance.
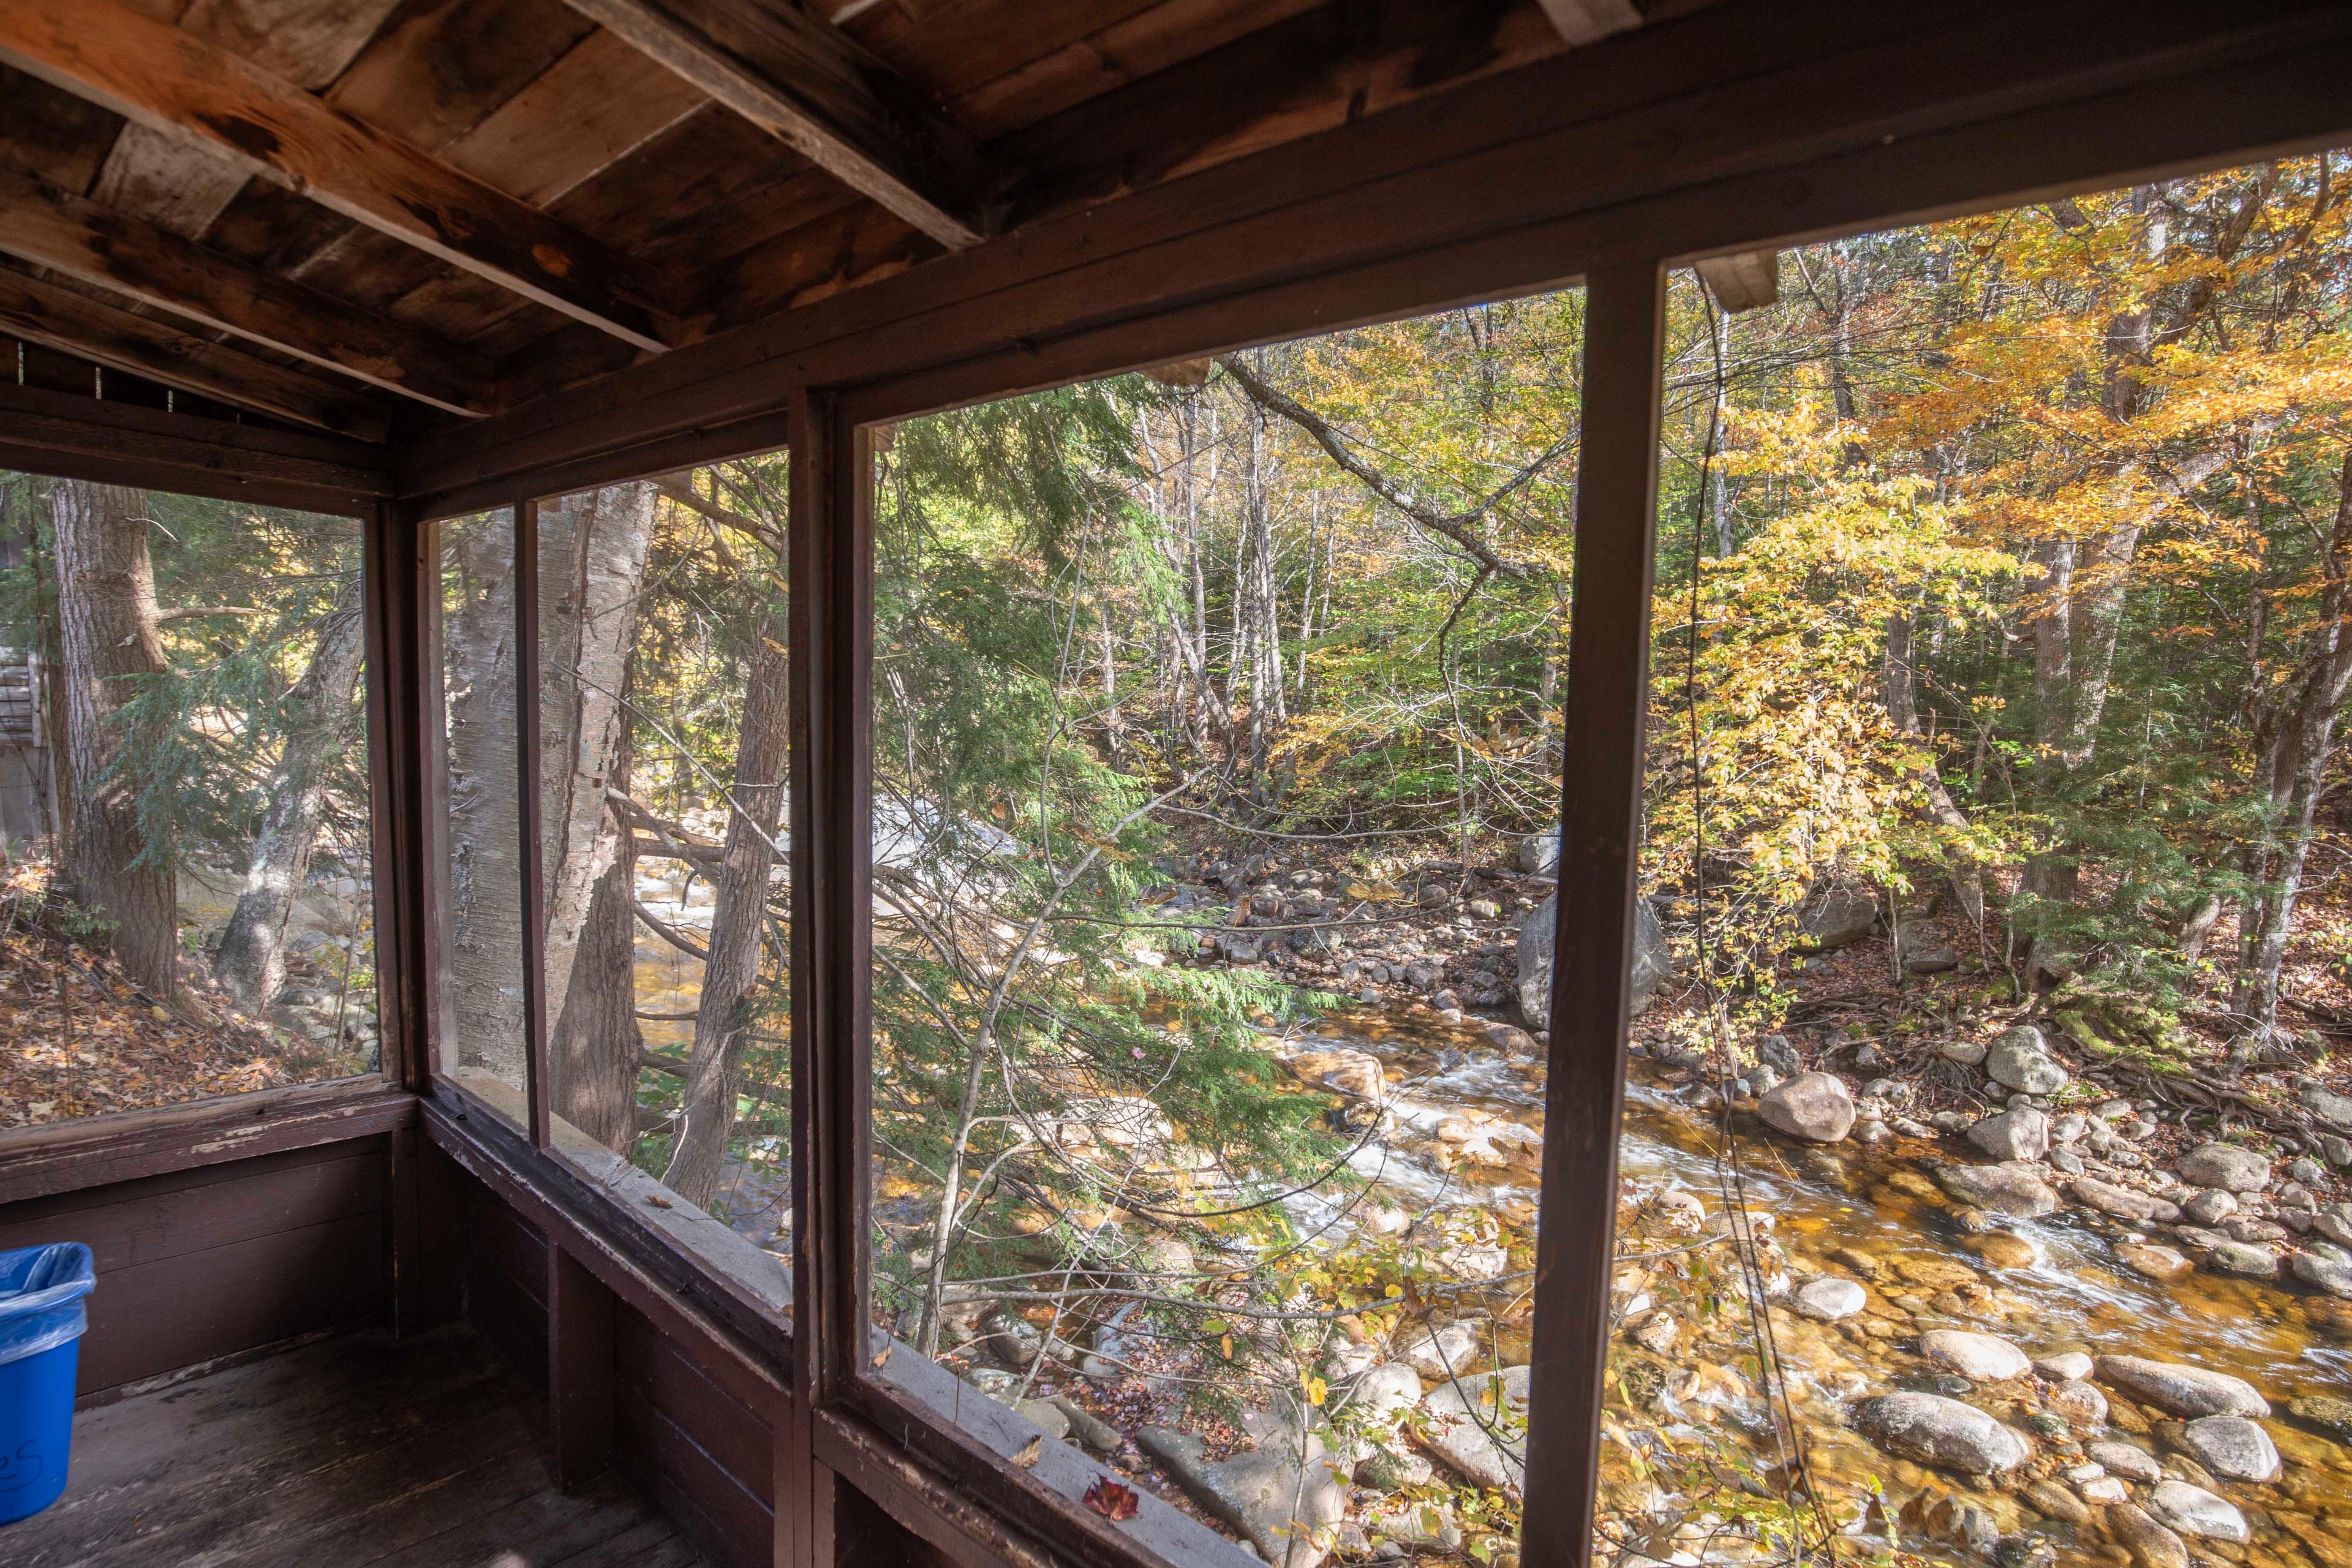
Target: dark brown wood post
(832, 588)
(580, 1371)
(397, 580)
(1601, 806)
(536, 1087)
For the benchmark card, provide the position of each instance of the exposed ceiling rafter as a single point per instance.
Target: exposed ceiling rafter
(175, 83)
(1590, 21)
(813, 88)
(57, 229)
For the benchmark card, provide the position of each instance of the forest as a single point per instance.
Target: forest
(1992, 963)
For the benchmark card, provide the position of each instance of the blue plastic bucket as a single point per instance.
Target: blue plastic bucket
(41, 1324)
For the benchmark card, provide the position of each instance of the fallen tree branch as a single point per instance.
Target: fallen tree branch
(668, 933)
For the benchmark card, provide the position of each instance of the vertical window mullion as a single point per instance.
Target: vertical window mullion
(1601, 803)
(402, 706)
(536, 1079)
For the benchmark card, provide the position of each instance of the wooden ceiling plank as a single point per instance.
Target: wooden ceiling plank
(179, 84)
(593, 108)
(1582, 22)
(815, 89)
(170, 183)
(60, 319)
(55, 229)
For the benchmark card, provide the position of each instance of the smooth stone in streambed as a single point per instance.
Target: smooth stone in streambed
(2181, 1390)
(1826, 1301)
(1383, 1393)
(1464, 1445)
(2245, 1259)
(2227, 1166)
(2212, 1205)
(1815, 1106)
(2020, 1134)
(2334, 1223)
(2232, 1447)
(2016, 1192)
(2065, 1366)
(2193, 1511)
(2123, 1460)
(2080, 1403)
(2150, 1543)
(1967, 1053)
(2153, 1262)
(2121, 1201)
(1283, 1504)
(1446, 1351)
(1942, 1432)
(2321, 1413)
(2005, 1249)
(1980, 1358)
(2053, 1501)
(2323, 1273)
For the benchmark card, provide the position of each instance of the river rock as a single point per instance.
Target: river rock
(2193, 1511)
(2232, 1447)
(2021, 1059)
(2322, 1272)
(2248, 1260)
(1446, 1351)
(1539, 853)
(1980, 1358)
(2334, 1223)
(2212, 1205)
(1836, 916)
(2017, 1190)
(2122, 1459)
(1827, 1300)
(2018, 1133)
(1812, 1105)
(2327, 1104)
(2181, 1390)
(2150, 1543)
(1100, 1436)
(1384, 1393)
(1942, 1432)
(1539, 930)
(1967, 1053)
(2054, 1501)
(2005, 1249)
(2322, 1413)
(2226, 1166)
(1417, 1526)
(1464, 1444)
(1284, 1504)
(2080, 1403)
(1349, 1072)
(2066, 1366)
(2151, 1261)
(2121, 1201)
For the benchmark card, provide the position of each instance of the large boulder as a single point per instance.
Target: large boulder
(1835, 916)
(1349, 1071)
(2226, 1166)
(1538, 936)
(2121, 1201)
(2323, 1102)
(1469, 1415)
(2180, 1390)
(1814, 1106)
(2020, 1132)
(2016, 1192)
(1539, 853)
(1286, 1501)
(1934, 1430)
(2021, 1059)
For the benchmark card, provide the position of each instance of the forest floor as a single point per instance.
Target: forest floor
(78, 1039)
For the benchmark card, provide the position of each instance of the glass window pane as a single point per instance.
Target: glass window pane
(1973, 1115)
(663, 726)
(1212, 710)
(185, 900)
(481, 1039)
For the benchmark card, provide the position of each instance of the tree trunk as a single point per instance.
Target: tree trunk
(107, 632)
(738, 923)
(485, 994)
(593, 1047)
(1903, 708)
(251, 963)
(591, 551)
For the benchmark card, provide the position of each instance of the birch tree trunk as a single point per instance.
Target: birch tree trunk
(486, 980)
(738, 922)
(108, 640)
(251, 963)
(595, 1044)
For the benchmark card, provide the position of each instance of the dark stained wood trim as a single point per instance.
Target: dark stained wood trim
(1601, 806)
(184, 452)
(184, 87)
(1741, 126)
(58, 317)
(64, 1157)
(723, 1329)
(814, 88)
(50, 228)
(403, 588)
(579, 1370)
(539, 1122)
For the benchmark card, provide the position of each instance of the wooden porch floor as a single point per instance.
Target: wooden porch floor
(363, 1449)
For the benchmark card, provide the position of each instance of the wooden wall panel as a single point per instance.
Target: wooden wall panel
(708, 1459)
(207, 1264)
(506, 1282)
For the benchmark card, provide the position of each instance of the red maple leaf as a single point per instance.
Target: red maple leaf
(1110, 1499)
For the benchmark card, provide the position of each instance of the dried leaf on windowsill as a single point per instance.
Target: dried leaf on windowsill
(1112, 1499)
(1027, 1457)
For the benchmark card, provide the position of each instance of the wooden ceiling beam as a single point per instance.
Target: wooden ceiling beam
(174, 82)
(816, 90)
(57, 229)
(1582, 22)
(62, 318)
